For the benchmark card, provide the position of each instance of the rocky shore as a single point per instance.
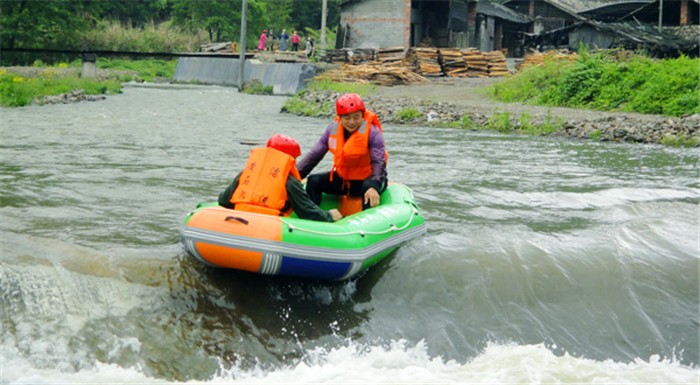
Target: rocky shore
(74, 96)
(428, 107)
(462, 103)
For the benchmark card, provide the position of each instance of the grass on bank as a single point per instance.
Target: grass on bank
(295, 105)
(17, 89)
(609, 81)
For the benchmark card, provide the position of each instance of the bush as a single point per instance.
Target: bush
(499, 121)
(409, 114)
(298, 106)
(163, 37)
(17, 91)
(609, 81)
(256, 87)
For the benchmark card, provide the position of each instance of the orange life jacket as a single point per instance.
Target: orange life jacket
(262, 184)
(351, 159)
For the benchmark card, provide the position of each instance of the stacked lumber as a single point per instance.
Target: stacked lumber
(477, 64)
(373, 73)
(427, 61)
(361, 55)
(225, 47)
(336, 56)
(453, 62)
(391, 55)
(496, 63)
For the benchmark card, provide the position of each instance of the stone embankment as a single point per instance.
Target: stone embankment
(480, 112)
(74, 96)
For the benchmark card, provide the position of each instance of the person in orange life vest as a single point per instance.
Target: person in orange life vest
(359, 157)
(270, 184)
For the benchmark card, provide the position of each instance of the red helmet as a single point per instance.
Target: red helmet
(349, 103)
(285, 144)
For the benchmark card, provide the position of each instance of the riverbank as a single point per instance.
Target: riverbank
(463, 102)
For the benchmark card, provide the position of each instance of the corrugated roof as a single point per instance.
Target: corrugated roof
(643, 34)
(501, 11)
(583, 6)
(578, 7)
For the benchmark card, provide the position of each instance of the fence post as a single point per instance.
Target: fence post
(89, 67)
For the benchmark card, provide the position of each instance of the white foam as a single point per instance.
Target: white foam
(397, 363)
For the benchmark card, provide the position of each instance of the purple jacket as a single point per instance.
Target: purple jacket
(376, 152)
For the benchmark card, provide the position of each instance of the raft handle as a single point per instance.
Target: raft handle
(237, 219)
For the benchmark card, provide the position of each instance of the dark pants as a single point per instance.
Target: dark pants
(317, 184)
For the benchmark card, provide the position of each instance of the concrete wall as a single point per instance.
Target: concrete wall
(376, 24)
(285, 78)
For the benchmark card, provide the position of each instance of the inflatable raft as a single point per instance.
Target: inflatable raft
(291, 246)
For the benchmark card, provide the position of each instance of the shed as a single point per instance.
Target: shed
(628, 35)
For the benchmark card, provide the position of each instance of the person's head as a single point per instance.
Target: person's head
(350, 109)
(264, 31)
(285, 144)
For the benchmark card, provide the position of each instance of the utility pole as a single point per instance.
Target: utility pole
(324, 11)
(661, 13)
(241, 45)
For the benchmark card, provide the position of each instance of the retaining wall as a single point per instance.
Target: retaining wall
(285, 78)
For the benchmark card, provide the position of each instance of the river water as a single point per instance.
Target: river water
(545, 261)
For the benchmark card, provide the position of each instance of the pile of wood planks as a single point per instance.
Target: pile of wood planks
(337, 56)
(496, 63)
(391, 66)
(427, 61)
(476, 63)
(392, 55)
(361, 55)
(453, 63)
(374, 73)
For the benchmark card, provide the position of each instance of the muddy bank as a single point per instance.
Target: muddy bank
(463, 103)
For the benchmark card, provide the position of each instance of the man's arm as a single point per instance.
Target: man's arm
(225, 197)
(377, 152)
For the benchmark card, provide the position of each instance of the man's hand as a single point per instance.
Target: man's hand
(335, 214)
(371, 197)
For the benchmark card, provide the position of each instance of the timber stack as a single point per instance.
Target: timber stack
(427, 61)
(393, 55)
(476, 62)
(390, 66)
(373, 73)
(453, 62)
(496, 63)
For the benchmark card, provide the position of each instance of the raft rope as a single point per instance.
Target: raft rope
(392, 227)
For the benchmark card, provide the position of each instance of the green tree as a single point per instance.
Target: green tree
(220, 18)
(135, 13)
(46, 24)
(307, 14)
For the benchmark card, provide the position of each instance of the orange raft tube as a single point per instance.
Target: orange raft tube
(290, 246)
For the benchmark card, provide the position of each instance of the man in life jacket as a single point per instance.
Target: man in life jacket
(359, 157)
(270, 184)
